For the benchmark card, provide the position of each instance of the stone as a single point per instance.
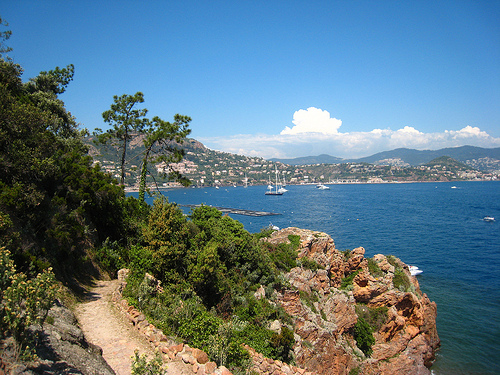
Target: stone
(260, 293)
(210, 367)
(123, 274)
(200, 356)
(275, 326)
(188, 358)
(63, 346)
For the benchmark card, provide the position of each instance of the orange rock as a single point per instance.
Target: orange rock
(210, 367)
(177, 348)
(200, 356)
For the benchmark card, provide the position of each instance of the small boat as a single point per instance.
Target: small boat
(323, 187)
(414, 270)
(488, 218)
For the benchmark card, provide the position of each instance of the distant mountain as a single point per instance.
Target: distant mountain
(486, 159)
(320, 159)
(417, 157)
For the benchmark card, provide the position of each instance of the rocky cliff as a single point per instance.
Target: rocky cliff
(328, 300)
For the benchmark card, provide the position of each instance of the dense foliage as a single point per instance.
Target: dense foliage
(54, 205)
(210, 267)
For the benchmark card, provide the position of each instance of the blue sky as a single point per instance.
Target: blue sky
(279, 78)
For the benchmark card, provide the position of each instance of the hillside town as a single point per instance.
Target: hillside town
(206, 167)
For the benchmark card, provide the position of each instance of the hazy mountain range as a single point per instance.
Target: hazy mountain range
(486, 159)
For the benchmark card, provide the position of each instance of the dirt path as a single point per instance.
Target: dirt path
(106, 327)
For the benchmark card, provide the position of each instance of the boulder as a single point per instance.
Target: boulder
(63, 348)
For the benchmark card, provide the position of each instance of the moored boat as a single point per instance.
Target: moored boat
(414, 270)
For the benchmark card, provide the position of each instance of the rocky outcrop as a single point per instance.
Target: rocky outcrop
(324, 310)
(325, 302)
(63, 349)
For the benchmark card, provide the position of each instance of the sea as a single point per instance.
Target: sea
(437, 227)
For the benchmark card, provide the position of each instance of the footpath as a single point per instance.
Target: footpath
(104, 325)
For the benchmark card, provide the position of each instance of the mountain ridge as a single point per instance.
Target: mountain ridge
(487, 159)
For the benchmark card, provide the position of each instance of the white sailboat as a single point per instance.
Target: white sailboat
(270, 186)
(282, 187)
(276, 190)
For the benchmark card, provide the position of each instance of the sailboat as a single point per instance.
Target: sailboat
(282, 188)
(270, 186)
(276, 190)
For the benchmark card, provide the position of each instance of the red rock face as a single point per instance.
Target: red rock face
(405, 343)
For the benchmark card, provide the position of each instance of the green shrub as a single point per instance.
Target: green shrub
(401, 281)
(140, 259)
(375, 317)
(197, 330)
(23, 302)
(142, 366)
(294, 240)
(310, 264)
(284, 256)
(282, 344)
(347, 281)
(374, 269)
(225, 347)
(363, 335)
(264, 232)
(111, 256)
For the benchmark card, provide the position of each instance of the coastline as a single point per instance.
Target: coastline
(133, 189)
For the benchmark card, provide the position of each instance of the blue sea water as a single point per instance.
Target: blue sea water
(435, 226)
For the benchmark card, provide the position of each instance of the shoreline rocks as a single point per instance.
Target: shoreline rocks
(407, 339)
(325, 311)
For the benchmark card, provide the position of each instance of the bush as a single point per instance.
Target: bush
(346, 282)
(374, 269)
(284, 256)
(142, 366)
(225, 347)
(310, 264)
(363, 335)
(23, 302)
(294, 240)
(401, 281)
(111, 256)
(375, 317)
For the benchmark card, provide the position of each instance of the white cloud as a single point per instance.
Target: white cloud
(313, 120)
(468, 132)
(315, 132)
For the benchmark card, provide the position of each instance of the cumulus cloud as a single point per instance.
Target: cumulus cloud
(316, 132)
(313, 120)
